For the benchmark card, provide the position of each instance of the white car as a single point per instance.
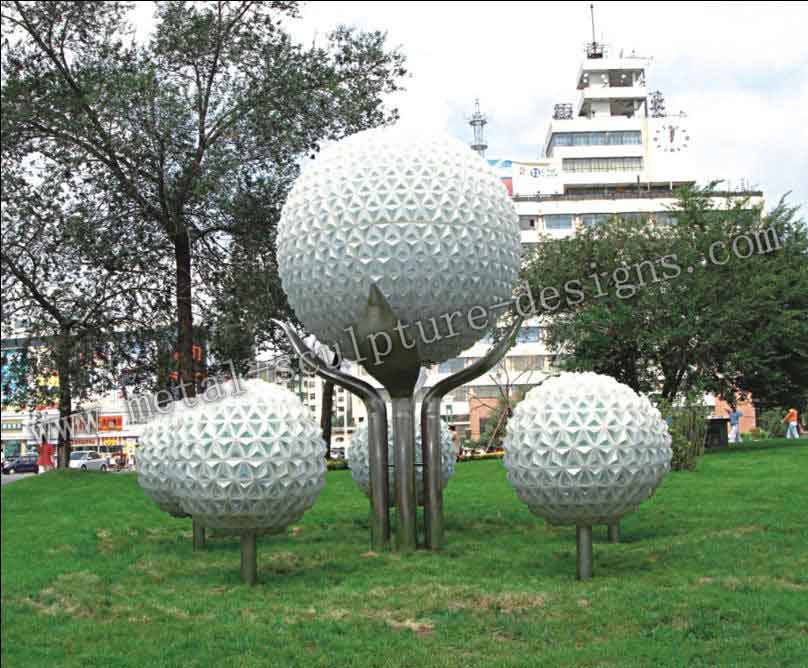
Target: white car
(87, 460)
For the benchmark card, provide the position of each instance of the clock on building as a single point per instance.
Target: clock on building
(671, 137)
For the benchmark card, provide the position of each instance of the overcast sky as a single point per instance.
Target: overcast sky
(739, 70)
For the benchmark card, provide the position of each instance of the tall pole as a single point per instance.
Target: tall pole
(584, 550)
(199, 535)
(404, 441)
(592, 16)
(614, 531)
(249, 558)
(377, 433)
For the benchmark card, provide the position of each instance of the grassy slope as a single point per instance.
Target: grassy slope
(712, 571)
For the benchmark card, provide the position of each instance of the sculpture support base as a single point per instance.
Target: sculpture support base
(249, 558)
(614, 532)
(584, 562)
(199, 535)
(404, 446)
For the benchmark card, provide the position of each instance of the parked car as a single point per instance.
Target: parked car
(87, 460)
(21, 464)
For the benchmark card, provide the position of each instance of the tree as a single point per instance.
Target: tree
(217, 105)
(71, 272)
(715, 301)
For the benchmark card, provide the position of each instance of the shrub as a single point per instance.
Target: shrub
(686, 422)
(336, 464)
(685, 451)
(771, 422)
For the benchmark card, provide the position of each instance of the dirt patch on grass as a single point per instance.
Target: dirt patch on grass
(76, 594)
(283, 562)
(421, 628)
(508, 603)
(105, 542)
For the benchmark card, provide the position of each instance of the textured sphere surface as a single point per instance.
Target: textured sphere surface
(583, 448)
(255, 460)
(422, 217)
(359, 462)
(155, 458)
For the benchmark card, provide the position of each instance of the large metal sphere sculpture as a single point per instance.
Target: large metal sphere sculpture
(252, 461)
(585, 449)
(155, 460)
(422, 218)
(359, 461)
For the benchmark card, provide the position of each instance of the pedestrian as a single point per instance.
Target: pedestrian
(45, 460)
(735, 425)
(791, 420)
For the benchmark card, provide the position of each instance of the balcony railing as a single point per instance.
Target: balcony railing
(626, 194)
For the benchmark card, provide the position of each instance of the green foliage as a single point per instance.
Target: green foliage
(197, 131)
(668, 307)
(708, 575)
(771, 422)
(687, 426)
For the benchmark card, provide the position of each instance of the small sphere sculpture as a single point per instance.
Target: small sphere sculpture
(359, 461)
(404, 212)
(585, 449)
(156, 454)
(254, 461)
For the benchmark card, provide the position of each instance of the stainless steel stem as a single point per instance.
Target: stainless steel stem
(614, 531)
(406, 504)
(377, 434)
(249, 558)
(199, 535)
(584, 539)
(430, 434)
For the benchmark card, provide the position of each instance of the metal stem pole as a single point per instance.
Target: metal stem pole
(199, 535)
(614, 532)
(431, 457)
(404, 435)
(379, 480)
(430, 433)
(377, 434)
(249, 558)
(584, 538)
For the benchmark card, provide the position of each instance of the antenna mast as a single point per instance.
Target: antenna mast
(594, 49)
(477, 121)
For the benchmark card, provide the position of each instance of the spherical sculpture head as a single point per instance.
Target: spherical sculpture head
(359, 461)
(156, 460)
(584, 449)
(254, 461)
(422, 218)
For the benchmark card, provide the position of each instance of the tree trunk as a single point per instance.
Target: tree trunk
(185, 323)
(326, 414)
(64, 427)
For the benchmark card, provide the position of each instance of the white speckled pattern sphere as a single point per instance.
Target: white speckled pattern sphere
(359, 461)
(584, 449)
(253, 461)
(422, 217)
(155, 458)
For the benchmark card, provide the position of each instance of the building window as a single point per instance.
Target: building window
(594, 219)
(524, 363)
(629, 164)
(451, 366)
(558, 221)
(623, 138)
(528, 335)
(460, 394)
(666, 218)
(527, 222)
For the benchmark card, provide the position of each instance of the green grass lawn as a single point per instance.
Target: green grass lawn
(712, 571)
